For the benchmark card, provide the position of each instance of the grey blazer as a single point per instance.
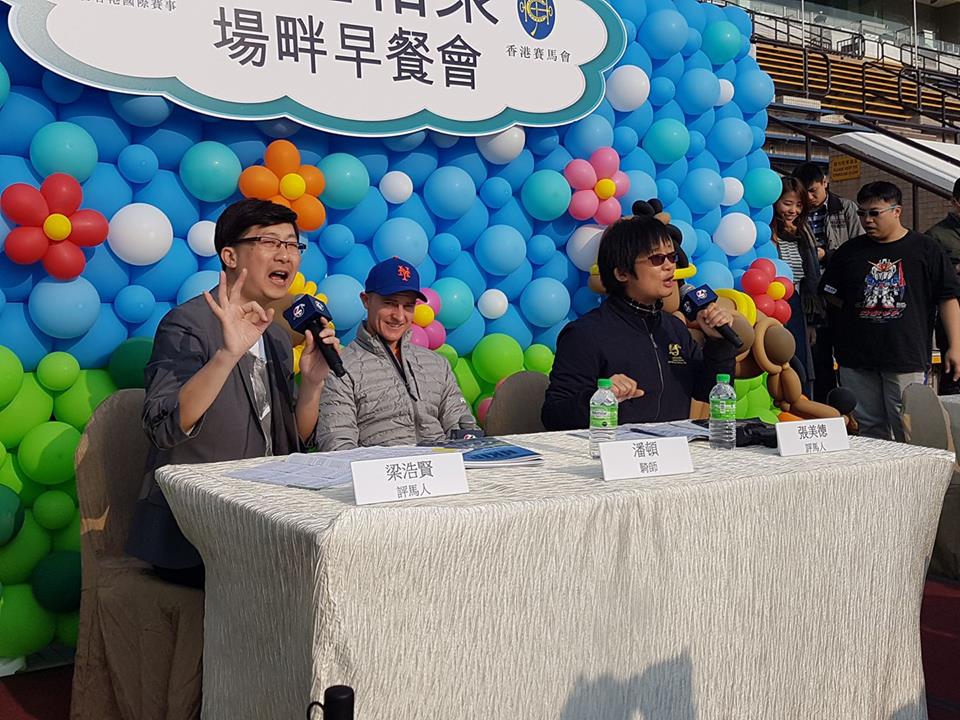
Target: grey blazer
(188, 336)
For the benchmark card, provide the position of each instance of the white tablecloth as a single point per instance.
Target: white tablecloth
(758, 587)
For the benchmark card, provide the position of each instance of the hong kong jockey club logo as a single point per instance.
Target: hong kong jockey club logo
(404, 272)
(537, 17)
(298, 311)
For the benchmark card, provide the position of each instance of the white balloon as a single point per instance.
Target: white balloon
(628, 88)
(493, 304)
(442, 140)
(732, 191)
(396, 187)
(583, 245)
(200, 238)
(726, 93)
(736, 234)
(503, 147)
(140, 234)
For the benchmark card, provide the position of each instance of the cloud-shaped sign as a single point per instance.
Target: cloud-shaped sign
(371, 67)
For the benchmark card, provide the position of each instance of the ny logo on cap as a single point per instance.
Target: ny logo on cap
(404, 272)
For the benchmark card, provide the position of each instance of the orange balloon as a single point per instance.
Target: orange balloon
(314, 177)
(788, 417)
(280, 200)
(258, 182)
(282, 157)
(310, 212)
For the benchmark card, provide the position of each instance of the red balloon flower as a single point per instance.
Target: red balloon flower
(769, 291)
(52, 227)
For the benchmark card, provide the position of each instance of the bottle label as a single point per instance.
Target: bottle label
(603, 416)
(722, 409)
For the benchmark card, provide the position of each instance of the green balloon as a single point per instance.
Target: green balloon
(68, 626)
(31, 407)
(4, 85)
(769, 416)
(11, 514)
(56, 581)
(53, 510)
(46, 452)
(466, 380)
(20, 556)
(76, 405)
(538, 358)
(69, 537)
(13, 477)
(25, 627)
(721, 42)
(58, 371)
(449, 353)
(497, 356)
(743, 409)
(3, 454)
(129, 361)
(11, 375)
(347, 181)
(546, 195)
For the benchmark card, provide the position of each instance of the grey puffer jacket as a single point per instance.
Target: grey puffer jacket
(373, 405)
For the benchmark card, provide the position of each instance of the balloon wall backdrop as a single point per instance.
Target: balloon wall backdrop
(109, 203)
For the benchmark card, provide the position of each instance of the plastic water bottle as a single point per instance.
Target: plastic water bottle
(603, 416)
(723, 414)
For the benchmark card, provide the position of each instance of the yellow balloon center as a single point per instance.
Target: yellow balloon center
(776, 290)
(57, 227)
(292, 186)
(605, 188)
(423, 315)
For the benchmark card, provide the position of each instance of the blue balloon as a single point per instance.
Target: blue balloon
(403, 238)
(633, 10)
(94, 349)
(26, 112)
(138, 163)
(698, 143)
(738, 16)
(698, 59)
(730, 139)
(667, 191)
(3, 301)
(336, 240)
(512, 324)
(759, 138)
(555, 160)
(166, 192)
(428, 272)
(625, 140)
(540, 249)
(606, 111)
(747, 64)
(708, 221)
(740, 207)
(670, 111)
(662, 91)
(715, 274)
(630, 30)
(703, 123)
(639, 120)
(64, 309)
(444, 248)
(450, 192)
(173, 139)
(237, 137)
(465, 155)
(542, 141)
(149, 328)
(727, 71)
(106, 190)
(742, 262)
(365, 218)
(109, 132)
(134, 304)
(678, 210)
(730, 110)
(561, 269)
(513, 284)
(196, 284)
(635, 54)
(689, 234)
(663, 33)
(368, 151)
(753, 91)
(704, 242)
(758, 120)
(713, 254)
(642, 187)
(315, 144)
(466, 335)
(26, 70)
(691, 49)
(783, 269)
(343, 294)
(758, 159)
(639, 160)
(22, 336)
(517, 170)
(405, 143)
(545, 302)
(209, 263)
(767, 250)
(164, 278)
(558, 230)
(702, 190)
(676, 171)
(764, 233)
(15, 169)
(414, 209)
(63, 147)
(465, 268)
(105, 271)
(141, 110)
(356, 263)
(698, 91)
(313, 263)
(737, 278)
(495, 192)
(585, 300)
(419, 164)
(549, 336)
(587, 135)
(672, 69)
(764, 215)
(469, 227)
(500, 249)
(737, 169)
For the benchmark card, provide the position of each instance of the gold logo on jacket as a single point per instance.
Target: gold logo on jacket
(673, 350)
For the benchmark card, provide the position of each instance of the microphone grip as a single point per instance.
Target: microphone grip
(330, 353)
(730, 335)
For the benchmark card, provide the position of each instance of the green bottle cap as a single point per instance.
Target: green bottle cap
(723, 378)
(604, 383)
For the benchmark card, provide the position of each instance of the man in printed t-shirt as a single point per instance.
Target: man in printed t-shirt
(887, 285)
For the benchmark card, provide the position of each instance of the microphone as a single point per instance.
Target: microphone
(307, 313)
(693, 300)
(842, 400)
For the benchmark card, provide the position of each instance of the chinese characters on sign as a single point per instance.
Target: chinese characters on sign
(627, 459)
(811, 437)
(407, 478)
(168, 5)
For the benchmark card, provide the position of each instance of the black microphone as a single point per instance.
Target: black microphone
(693, 300)
(307, 313)
(842, 400)
(337, 703)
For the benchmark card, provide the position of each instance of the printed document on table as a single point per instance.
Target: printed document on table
(676, 428)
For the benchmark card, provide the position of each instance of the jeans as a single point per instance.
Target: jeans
(879, 399)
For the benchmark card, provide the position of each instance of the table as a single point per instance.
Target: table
(757, 587)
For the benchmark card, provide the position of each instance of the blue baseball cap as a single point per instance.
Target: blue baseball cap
(394, 276)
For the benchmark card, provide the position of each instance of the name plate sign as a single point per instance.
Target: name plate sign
(645, 458)
(408, 478)
(812, 437)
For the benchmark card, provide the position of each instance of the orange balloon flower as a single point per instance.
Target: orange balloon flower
(284, 180)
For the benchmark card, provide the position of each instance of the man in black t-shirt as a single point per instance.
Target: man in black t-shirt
(886, 286)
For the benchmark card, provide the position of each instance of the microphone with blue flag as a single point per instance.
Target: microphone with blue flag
(308, 313)
(694, 299)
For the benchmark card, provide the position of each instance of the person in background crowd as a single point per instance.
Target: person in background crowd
(947, 233)
(395, 392)
(886, 286)
(797, 248)
(833, 221)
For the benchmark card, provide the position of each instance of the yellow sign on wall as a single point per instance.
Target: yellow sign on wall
(844, 167)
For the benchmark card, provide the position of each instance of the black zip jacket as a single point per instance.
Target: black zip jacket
(650, 346)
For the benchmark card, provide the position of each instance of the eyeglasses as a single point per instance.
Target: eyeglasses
(272, 243)
(874, 212)
(659, 258)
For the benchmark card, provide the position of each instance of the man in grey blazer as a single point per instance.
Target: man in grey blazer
(219, 384)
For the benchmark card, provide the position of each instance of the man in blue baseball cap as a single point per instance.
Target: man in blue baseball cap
(395, 392)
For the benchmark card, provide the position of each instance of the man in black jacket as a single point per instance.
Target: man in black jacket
(649, 355)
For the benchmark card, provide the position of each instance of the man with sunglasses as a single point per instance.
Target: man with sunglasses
(886, 287)
(654, 363)
(219, 384)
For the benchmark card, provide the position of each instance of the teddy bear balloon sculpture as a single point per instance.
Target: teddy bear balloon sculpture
(768, 347)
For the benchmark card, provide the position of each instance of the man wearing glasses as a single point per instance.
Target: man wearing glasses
(649, 355)
(219, 384)
(887, 286)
